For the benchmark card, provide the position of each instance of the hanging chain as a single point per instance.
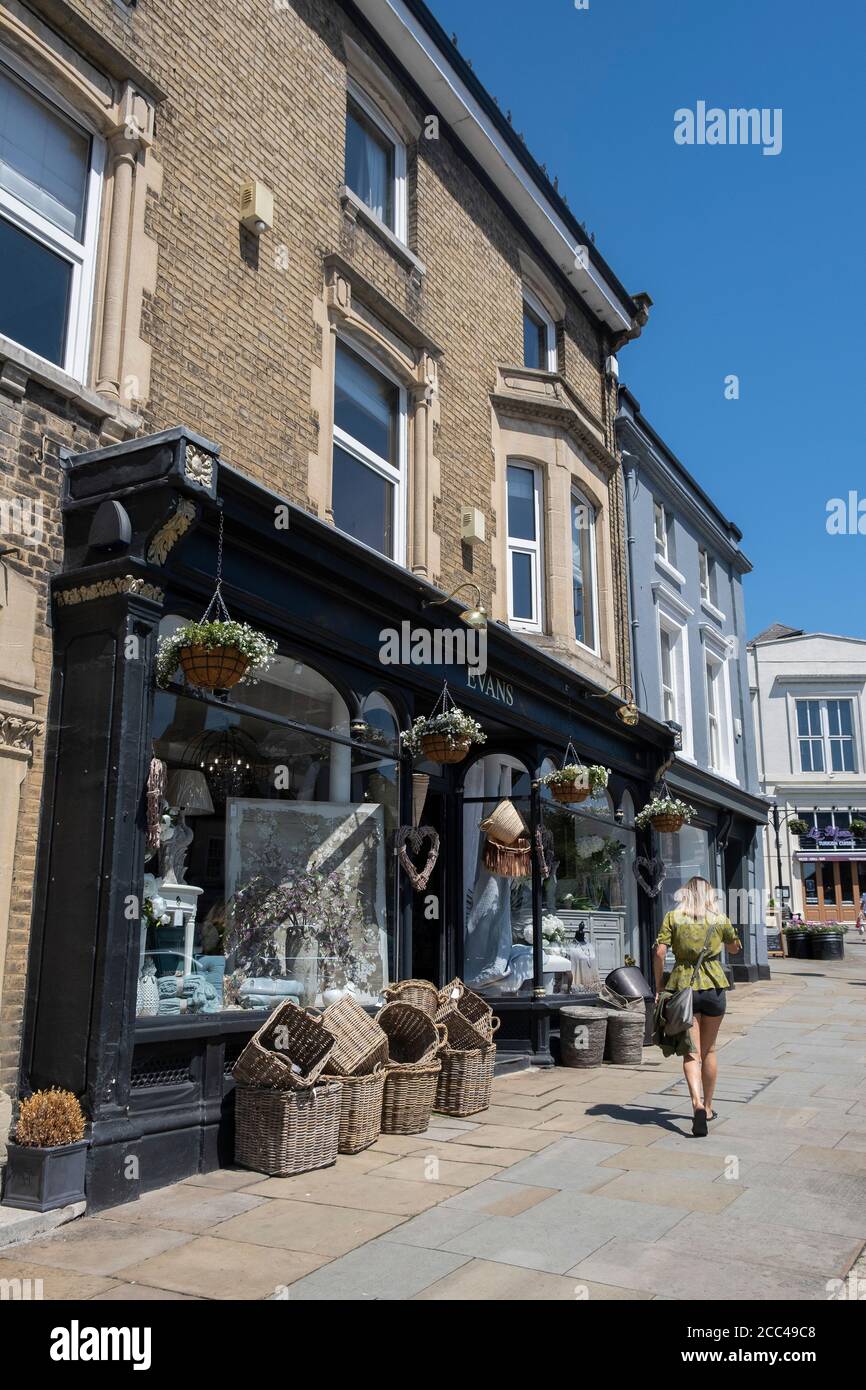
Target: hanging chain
(446, 700)
(222, 613)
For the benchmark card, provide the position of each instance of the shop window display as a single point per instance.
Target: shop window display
(272, 879)
(685, 854)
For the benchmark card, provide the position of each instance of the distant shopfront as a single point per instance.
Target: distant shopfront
(300, 779)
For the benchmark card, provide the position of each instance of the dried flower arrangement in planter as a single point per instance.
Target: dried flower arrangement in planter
(47, 1158)
(665, 813)
(445, 736)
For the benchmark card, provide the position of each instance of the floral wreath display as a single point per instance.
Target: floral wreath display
(445, 735)
(215, 653)
(573, 782)
(414, 837)
(665, 813)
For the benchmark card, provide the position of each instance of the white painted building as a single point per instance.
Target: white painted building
(808, 692)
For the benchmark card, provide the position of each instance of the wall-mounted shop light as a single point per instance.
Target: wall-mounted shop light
(472, 617)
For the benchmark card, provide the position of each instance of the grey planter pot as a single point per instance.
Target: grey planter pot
(42, 1179)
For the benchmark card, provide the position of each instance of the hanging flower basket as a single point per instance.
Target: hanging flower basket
(573, 782)
(666, 813)
(445, 736)
(214, 655)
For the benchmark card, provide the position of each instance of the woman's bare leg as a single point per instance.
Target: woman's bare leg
(692, 1068)
(708, 1029)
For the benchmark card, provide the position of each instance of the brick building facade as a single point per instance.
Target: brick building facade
(194, 319)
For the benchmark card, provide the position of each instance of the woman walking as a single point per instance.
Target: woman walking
(696, 931)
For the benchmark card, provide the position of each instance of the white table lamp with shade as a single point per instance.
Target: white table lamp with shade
(188, 791)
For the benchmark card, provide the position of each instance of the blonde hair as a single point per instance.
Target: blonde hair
(698, 899)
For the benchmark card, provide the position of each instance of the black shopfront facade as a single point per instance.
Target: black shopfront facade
(304, 765)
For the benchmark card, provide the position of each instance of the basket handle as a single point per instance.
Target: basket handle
(446, 995)
(494, 1025)
(443, 1035)
(312, 1012)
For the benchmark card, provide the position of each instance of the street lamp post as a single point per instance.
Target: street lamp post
(778, 821)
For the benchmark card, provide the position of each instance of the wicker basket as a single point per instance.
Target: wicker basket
(464, 1083)
(213, 668)
(288, 1051)
(504, 825)
(410, 1092)
(509, 861)
(413, 1036)
(667, 825)
(286, 1132)
(438, 748)
(468, 1020)
(569, 792)
(625, 1035)
(421, 993)
(360, 1044)
(360, 1109)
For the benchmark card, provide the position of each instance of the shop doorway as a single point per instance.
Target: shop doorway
(832, 888)
(428, 905)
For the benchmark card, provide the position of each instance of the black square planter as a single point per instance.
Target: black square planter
(42, 1179)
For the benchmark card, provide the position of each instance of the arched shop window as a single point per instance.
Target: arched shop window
(378, 723)
(497, 941)
(277, 842)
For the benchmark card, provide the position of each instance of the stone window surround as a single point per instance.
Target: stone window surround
(352, 308)
(672, 613)
(537, 419)
(118, 377)
(716, 653)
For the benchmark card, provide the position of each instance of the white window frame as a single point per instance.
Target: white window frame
(704, 563)
(535, 549)
(667, 642)
(717, 691)
(661, 533)
(80, 254)
(673, 615)
(824, 736)
(535, 304)
(590, 580)
(374, 113)
(396, 475)
(714, 731)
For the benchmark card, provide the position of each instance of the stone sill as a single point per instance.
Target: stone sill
(669, 570)
(712, 611)
(356, 209)
(18, 366)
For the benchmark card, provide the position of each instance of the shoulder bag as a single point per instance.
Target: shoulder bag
(679, 1012)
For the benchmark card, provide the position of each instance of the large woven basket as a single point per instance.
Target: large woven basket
(410, 1092)
(421, 993)
(504, 825)
(288, 1051)
(569, 792)
(213, 668)
(413, 1037)
(667, 825)
(360, 1109)
(582, 1033)
(465, 1081)
(625, 1035)
(509, 861)
(438, 748)
(286, 1132)
(360, 1045)
(468, 1019)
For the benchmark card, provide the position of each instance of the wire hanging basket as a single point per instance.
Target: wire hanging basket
(569, 793)
(439, 747)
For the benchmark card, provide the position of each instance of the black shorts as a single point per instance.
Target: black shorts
(710, 1002)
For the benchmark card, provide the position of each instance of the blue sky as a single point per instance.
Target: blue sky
(754, 262)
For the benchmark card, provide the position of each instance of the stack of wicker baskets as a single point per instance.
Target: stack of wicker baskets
(414, 1040)
(358, 1061)
(285, 1122)
(470, 1053)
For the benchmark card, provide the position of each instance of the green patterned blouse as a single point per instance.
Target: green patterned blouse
(686, 939)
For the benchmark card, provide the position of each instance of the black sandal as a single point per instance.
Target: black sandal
(699, 1124)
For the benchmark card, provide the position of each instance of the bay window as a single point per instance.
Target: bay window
(369, 455)
(524, 547)
(583, 577)
(50, 172)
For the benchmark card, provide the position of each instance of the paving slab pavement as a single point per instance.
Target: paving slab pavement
(573, 1185)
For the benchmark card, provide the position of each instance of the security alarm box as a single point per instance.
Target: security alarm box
(257, 207)
(472, 526)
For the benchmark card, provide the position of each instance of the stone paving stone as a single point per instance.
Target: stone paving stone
(361, 1191)
(658, 1269)
(182, 1208)
(570, 1162)
(507, 1137)
(681, 1192)
(837, 1159)
(486, 1281)
(516, 1240)
(92, 1246)
(433, 1228)
(57, 1284)
(529, 1083)
(381, 1270)
(694, 1161)
(764, 1243)
(509, 1116)
(226, 1179)
(307, 1228)
(498, 1198)
(143, 1293)
(807, 1213)
(819, 1182)
(224, 1269)
(753, 1149)
(367, 1161)
(612, 1133)
(439, 1172)
(611, 1217)
(457, 1152)
(452, 1122)
(855, 1140)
